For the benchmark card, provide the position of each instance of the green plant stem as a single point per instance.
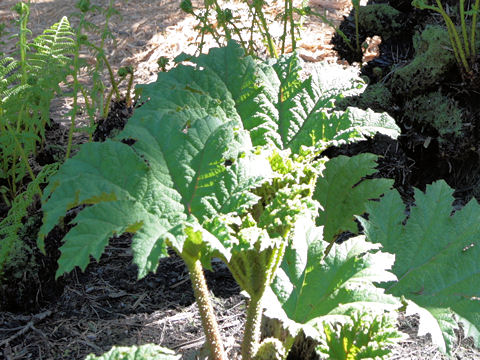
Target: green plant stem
(251, 337)
(456, 43)
(239, 34)
(112, 76)
(255, 273)
(252, 27)
(266, 33)
(23, 155)
(109, 68)
(23, 41)
(108, 101)
(284, 36)
(340, 32)
(474, 27)
(22, 44)
(464, 28)
(292, 24)
(223, 23)
(204, 20)
(128, 98)
(76, 86)
(263, 26)
(209, 322)
(357, 35)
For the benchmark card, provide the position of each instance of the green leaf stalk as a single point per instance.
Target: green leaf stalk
(205, 308)
(465, 53)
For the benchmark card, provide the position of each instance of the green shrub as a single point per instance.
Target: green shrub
(218, 166)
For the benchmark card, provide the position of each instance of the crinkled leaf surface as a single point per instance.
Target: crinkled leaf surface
(436, 259)
(188, 162)
(343, 194)
(363, 337)
(253, 86)
(276, 103)
(144, 352)
(312, 289)
(305, 107)
(191, 156)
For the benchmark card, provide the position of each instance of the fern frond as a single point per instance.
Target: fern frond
(10, 83)
(11, 225)
(53, 46)
(7, 66)
(8, 73)
(15, 91)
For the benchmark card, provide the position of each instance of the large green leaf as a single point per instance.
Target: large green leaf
(306, 107)
(277, 103)
(343, 193)
(436, 259)
(191, 158)
(155, 188)
(253, 86)
(312, 289)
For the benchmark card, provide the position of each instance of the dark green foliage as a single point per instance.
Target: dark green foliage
(436, 259)
(12, 250)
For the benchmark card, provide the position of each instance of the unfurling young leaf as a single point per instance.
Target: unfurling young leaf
(363, 337)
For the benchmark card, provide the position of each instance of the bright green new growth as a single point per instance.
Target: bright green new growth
(144, 352)
(216, 166)
(436, 259)
(363, 337)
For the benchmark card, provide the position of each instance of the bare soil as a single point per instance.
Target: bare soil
(85, 312)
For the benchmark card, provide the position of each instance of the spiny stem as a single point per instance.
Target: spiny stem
(251, 337)
(209, 322)
(266, 33)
